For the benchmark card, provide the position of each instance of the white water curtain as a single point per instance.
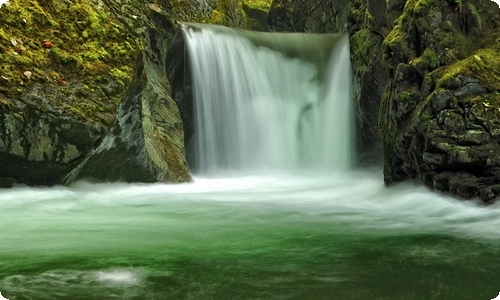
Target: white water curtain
(258, 109)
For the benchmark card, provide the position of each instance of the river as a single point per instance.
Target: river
(337, 236)
(280, 209)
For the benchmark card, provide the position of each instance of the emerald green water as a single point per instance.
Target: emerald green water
(284, 237)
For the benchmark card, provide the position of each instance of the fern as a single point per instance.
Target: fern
(476, 15)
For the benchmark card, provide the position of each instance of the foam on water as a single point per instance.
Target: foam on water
(57, 284)
(356, 199)
(175, 234)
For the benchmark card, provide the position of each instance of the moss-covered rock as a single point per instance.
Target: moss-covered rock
(63, 68)
(146, 142)
(76, 51)
(255, 14)
(441, 105)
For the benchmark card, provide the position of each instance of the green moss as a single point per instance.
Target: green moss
(363, 42)
(425, 117)
(424, 5)
(250, 23)
(217, 17)
(263, 5)
(487, 69)
(88, 42)
(477, 16)
(405, 96)
(427, 61)
(121, 75)
(396, 41)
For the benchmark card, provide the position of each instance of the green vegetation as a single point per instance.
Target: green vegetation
(483, 64)
(65, 45)
(263, 5)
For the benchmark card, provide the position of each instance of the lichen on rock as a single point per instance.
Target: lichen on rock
(64, 66)
(440, 109)
(75, 50)
(146, 142)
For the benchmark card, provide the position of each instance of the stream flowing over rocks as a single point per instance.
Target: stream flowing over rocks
(425, 71)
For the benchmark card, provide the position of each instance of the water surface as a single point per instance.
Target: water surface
(337, 236)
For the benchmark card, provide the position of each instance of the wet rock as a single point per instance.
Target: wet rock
(471, 89)
(146, 143)
(453, 104)
(53, 108)
(7, 182)
(38, 149)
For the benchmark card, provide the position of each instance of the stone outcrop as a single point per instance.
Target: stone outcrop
(146, 142)
(60, 84)
(439, 115)
(40, 148)
(61, 81)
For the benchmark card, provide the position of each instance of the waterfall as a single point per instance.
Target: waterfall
(270, 101)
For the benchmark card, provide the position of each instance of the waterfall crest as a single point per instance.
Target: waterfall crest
(270, 101)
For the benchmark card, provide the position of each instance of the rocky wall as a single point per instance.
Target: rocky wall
(441, 105)
(65, 67)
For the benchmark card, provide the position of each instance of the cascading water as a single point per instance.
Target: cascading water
(343, 235)
(270, 102)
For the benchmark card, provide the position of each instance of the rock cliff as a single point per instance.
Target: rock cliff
(439, 113)
(63, 69)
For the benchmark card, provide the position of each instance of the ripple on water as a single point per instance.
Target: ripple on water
(54, 284)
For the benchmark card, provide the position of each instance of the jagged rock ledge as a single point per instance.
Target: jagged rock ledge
(440, 111)
(146, 143)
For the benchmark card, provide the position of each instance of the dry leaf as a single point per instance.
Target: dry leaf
(27, 74)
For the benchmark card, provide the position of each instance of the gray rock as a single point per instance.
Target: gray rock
(42, 149)
(146, 144)
(471, 89)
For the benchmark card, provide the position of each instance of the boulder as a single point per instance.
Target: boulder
(146, 143)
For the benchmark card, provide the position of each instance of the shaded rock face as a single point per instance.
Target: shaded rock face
(318, 16)
(39, 148)
(146, 142)
(439, 114)
(179, 75)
